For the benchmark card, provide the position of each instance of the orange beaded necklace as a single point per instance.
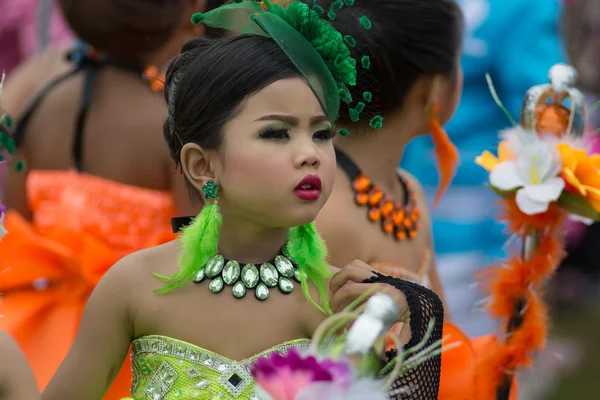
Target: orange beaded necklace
(400, 219)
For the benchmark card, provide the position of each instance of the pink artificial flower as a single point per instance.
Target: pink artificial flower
(283, 377)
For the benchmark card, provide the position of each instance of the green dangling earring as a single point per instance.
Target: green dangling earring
(199, 241)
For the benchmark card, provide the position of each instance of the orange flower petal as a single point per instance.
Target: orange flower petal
(569, 176)
(568, 157)
(487, 160)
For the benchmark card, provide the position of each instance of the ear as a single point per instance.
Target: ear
(196, 164)
(435, 92)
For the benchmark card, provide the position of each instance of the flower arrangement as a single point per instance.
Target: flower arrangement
(343, 365)
(543, 175)
(541, 171)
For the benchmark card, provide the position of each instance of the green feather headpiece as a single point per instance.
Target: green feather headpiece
(320, 52)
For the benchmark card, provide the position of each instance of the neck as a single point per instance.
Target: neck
(378, 152)
(247, 242)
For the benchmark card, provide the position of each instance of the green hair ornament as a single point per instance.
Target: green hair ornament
(319, 51)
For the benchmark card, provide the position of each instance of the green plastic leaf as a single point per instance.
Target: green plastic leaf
(578, 205)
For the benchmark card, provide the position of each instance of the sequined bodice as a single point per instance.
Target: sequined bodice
(168, 369)
(122, 216)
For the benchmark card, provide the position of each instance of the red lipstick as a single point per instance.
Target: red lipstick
(309, 188)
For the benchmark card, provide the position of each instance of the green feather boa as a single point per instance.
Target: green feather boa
(199, 242)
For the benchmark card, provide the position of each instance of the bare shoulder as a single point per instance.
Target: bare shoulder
(139, 267)
(30, 76)
(132, 276)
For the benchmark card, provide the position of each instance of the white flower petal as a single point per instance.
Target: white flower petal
(579, 218)
(505, 176)
(546, 191)
(262, 393)
(529, 206)
(321, 390)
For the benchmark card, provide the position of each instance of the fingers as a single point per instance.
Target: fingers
(357, 271)
(347, 294)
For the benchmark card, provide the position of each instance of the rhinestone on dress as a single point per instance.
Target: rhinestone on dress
(285, 285)
(269, 275)
(214, 266)
(262, 292)
(234, 380)
(250, 275)
(192, 372)
(203, 384)
(297, 275)
(199, 277)
(284, 266)
(231, 272)
(216, 285)
(239, 290)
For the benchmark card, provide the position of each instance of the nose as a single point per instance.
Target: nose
(307, 156)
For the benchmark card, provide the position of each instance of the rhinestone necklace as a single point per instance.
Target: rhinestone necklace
(243, 277)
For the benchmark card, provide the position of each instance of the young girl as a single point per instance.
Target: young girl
(252, 137)
(99, 183)
(16, 380)
(376, 212)
(414, 85)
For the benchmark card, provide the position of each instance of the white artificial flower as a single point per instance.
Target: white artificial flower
(359, 390)
(534, 173)
(579, 218)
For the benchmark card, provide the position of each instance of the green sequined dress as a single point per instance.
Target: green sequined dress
(169, 369)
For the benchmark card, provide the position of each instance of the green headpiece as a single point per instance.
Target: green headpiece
(320, 52)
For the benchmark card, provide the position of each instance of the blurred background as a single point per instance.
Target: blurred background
(516, 42)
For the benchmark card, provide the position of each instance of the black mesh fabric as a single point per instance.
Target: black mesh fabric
(423, 381)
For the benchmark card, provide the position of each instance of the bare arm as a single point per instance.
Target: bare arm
(16, 379)
(102, 342)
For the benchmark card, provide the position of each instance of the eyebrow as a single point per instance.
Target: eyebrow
(288, 119)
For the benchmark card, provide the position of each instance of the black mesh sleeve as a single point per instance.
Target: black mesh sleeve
(423, 381)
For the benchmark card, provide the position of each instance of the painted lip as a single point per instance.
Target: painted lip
(309, 188)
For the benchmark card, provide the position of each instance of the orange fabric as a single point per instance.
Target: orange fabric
(82, 225)
(465, 374)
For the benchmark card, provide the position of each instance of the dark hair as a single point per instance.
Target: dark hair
(125, 28)
(206, 84)
(408, 39)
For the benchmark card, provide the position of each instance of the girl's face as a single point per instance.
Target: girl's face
(276, 166)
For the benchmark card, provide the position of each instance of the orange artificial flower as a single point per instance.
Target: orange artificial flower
(489, 161)
(581, 173)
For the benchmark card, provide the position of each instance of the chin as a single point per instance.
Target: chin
(304, 215)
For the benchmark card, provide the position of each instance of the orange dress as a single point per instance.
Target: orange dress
(465, 373)
(81, 226)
